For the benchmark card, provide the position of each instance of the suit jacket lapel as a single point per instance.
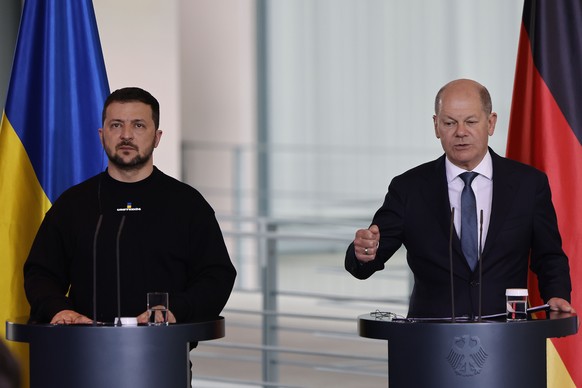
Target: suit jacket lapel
(503, 192)
(437, 192)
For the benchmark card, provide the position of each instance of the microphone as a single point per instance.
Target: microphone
(451, 231)
(97, 228)
(480, 261)
(118, 270)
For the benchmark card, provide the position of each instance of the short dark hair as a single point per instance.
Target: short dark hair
(133, 94)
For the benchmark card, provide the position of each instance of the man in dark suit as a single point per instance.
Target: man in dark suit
(512, 202)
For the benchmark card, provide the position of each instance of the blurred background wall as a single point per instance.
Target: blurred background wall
(9, 20)
(299, 107)
(291, 117)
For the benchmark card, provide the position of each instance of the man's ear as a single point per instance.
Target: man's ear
(159, 133)
(435, 123)
(492, 122)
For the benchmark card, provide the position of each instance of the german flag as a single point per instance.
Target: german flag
(545, 131)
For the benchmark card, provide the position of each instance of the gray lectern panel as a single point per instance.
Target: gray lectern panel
(108, 356)
(467, 354)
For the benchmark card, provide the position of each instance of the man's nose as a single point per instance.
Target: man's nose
(461, 130)
(126, 133)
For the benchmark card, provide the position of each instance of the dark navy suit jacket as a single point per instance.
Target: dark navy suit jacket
(416, 213)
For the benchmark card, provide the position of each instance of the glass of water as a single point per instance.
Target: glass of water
(158, 306)
(516, 300)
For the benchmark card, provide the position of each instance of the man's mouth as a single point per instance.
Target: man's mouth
(126, 147)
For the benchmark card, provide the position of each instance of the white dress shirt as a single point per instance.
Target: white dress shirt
(482, 187)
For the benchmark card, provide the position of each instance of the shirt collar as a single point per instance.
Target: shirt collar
(484, 168)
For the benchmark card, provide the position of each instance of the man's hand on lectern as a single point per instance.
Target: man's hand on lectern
(143, 317)
(69, 317)
(561, 305)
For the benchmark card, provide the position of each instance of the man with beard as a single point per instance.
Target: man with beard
(131, 222)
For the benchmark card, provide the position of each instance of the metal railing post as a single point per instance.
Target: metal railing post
(268, 260)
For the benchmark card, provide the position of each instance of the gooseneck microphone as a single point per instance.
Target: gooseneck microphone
(451, 231)
(480, 261)
(95, 236)
(97, 228)
(118, 269)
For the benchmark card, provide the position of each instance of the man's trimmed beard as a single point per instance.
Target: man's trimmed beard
(135, 163)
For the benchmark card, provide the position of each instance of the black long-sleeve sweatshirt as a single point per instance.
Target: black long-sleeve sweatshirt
(170, 242)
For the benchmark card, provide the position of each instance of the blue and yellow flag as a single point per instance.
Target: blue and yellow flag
(48, 133)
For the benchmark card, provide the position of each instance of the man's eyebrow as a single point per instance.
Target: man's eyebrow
(472, 116)
(131, 121)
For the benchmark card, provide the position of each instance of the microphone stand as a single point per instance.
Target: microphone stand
(451, 231)
(118, 271)
(97, 228)
(480, 262)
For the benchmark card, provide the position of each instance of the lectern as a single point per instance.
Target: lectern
(73, 356)
(467, 354)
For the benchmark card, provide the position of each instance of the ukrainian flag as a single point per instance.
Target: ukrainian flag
(48, 132)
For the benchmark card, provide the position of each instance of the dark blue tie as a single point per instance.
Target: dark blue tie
(469, 220)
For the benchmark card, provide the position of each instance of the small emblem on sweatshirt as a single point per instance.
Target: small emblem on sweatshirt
(128, 208)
